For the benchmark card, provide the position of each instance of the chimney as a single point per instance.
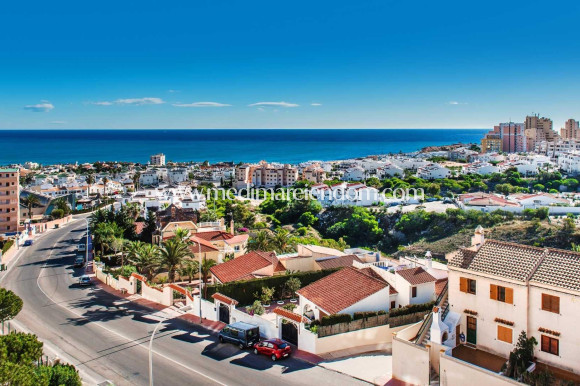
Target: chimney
(232, 227)
(428, 262)
(478, 238)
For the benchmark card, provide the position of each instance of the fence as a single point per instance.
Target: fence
(373, 321)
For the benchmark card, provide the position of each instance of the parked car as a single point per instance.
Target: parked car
(240, 333)
(81, 247)
(85, 280)
(274, 348)
(28, 243)
(79, 262)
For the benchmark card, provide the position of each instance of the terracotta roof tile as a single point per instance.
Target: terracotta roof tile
(337, 261)
(214, 235)
(224, 299)
(341, 289)
(559, 268)
(242, 266)
(289, 314)
(416, 276)
(500, 258)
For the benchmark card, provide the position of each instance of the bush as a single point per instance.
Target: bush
(256, 309)
(57, 213)
(243, 291)
(7, 245)
(302, 231)
(367, 314)
(329, 320)
(411, 309)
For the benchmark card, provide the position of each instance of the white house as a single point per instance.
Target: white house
(433, 171)
(356, 173)
(346, 291)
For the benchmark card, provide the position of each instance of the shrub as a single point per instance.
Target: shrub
(367, 314)
(329, 320)
(290, 306)
(256, 309)
(243, 291)
(411, 309)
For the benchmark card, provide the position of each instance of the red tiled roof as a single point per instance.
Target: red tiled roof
(371, 272)
(224, 299)
(289, 314)
(206, 246)
(341, 289)
(416, 276)
(245, 265)
(439, 285)
(139, 226)
(337, 261)
(214, 235)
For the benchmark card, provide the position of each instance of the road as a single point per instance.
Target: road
(107, 338)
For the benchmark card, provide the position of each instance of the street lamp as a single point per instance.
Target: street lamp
(184, 309)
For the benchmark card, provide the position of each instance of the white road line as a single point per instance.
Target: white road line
(143, 346)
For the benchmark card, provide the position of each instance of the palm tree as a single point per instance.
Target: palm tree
(136, 177)
(260, 242)
(30, 201)
(105, 182)
(172, 254)
(281, 242)
(189, 268)
(61, 203)
(145, 257)
(205, 271)
(90, 179)
(181, 234)
(97, 217)
(105, 233)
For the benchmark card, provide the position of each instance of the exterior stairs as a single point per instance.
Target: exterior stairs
(424, 333)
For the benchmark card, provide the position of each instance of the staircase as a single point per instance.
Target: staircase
(424, 333)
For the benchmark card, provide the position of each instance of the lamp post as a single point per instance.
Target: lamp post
(200, 280)
(184, 309)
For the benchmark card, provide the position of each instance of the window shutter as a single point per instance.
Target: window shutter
(556, 304)
(463, 284)
(545, 302)
(509, 295)
(493, 291)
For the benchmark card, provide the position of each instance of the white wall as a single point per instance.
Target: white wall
(378, 301)
(162, 296)
(456, 372)
(268, 329)
(566, 322)
(410, 361)
(489, 309)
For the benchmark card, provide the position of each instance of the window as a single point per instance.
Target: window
(413, 292)
(467, 285)
(393, 304)
(501, 294)
(551, 303)
(504, 334)
(550, 345)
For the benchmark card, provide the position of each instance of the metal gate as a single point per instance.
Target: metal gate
(224, 313)
(290, 332)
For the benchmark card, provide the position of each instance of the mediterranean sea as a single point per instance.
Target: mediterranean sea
(213, 145)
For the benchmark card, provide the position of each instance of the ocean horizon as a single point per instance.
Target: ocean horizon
(49, 146)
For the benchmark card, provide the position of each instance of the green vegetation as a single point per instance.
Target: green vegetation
(245, 291)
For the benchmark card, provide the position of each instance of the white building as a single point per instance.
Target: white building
(356, 173)
(157, 159)
(433, 171)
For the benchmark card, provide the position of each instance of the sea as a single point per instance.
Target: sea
(215, 145)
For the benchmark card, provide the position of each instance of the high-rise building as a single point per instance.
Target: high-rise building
(507, 137)
(538, 129)
(570, 130)
(157, 159)
(9, 200)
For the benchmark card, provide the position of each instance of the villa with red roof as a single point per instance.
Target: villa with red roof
(252, 265)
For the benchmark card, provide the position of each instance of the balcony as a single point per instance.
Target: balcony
(479, 358)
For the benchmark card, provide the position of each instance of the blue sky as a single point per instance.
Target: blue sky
(300, 64)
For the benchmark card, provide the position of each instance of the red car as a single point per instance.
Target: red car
(274, 348)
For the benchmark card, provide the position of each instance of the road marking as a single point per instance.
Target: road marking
(115, 332)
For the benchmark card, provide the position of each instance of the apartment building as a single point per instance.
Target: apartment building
(157, 159)
(314, 173)
(265, 175)
(9, 200)
(571, 130)
(499, 289)
(491, 143)
(508, 137)
(538, 129)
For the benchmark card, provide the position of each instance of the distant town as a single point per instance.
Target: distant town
(474, 263)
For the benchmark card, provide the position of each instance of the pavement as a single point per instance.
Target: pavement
(107, 337)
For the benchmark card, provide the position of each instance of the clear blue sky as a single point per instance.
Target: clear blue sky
(333, 64)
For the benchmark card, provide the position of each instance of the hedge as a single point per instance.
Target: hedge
(411, 309)
(243, 291)
(367, 314)
(329, 320)
(7, 245)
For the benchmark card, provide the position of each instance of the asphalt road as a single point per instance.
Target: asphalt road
(107, 338)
